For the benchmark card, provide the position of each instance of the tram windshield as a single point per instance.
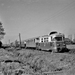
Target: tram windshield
(57, 39)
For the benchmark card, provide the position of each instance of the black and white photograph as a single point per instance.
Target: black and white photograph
(37, 37)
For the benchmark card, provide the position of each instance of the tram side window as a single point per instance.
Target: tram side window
(63, 38)
(51, 38)
(45, 39)
(34, 40)
(41, 39)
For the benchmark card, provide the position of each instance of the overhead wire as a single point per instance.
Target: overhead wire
(58, 13)
(61, 11)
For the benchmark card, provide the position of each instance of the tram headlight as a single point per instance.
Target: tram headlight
(64, 44)
(58, 44)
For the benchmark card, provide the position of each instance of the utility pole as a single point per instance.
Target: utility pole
(20, 39)
(74, 38)
(9, 41)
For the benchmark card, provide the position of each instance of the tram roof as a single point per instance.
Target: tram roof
(44, 36)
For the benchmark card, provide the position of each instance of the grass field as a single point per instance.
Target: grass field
(32, 62)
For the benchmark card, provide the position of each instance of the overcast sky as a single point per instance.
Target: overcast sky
(34, 18)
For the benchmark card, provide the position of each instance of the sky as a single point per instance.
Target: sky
(32, 18)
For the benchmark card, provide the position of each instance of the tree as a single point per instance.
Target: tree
(2, 33)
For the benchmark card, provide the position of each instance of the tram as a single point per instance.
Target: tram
(53, 42)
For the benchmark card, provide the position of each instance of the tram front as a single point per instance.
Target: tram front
(59, 41)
